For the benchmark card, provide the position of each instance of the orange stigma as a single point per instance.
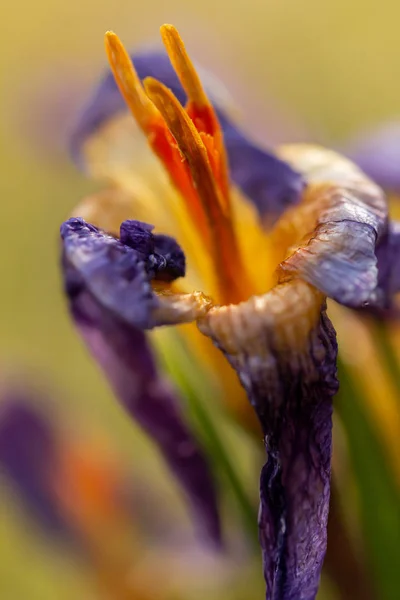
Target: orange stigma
(189, 142)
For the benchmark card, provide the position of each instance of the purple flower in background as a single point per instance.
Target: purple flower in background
(80, 494)
(264, 291)
(377, 152)
(63, 483)
(28, 456)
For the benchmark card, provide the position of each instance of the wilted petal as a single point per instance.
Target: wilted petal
(111, 300)
(340, 260)
(119, 276)
(266, 180)
(377, 153)
(283, 347)
(332, 234)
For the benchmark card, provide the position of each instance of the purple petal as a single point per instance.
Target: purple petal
(377, 153)
(110, 270)
(28, 452)
(262, 177)
(111, 301)
(265, 179)
(340, 260)
(295, 482)
(163, 256)
(118, 272)
(283, 348)
(388, 254)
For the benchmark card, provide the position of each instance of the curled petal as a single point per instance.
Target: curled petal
(119, 276)
(270, 183)
(283, 347)
(111, 300)
(330, 239)
(340, 260)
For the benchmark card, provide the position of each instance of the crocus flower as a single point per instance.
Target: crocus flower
(268, 237)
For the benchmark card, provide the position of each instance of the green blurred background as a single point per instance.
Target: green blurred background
(298, 69)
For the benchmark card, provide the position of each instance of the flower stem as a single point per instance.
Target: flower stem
(193, 389)
(216, 446)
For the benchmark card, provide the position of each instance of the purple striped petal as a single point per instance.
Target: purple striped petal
(108, 286)
(348, 248)
(265, 179)
(377, 153)
(283, 348)
(337, 226)
(295, 482)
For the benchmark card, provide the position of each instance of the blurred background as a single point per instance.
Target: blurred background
(297, 70)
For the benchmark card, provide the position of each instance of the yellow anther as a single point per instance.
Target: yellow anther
(193, 133)
(229, 269)
(183, 66)
(189, 142)
(129, 83)
(198, 107)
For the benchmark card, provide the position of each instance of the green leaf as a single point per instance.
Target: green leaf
(385, 347)
(379, 495)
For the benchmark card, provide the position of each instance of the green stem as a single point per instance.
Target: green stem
(179, 365)
(226, 467)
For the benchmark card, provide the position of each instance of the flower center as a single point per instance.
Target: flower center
(189, 142)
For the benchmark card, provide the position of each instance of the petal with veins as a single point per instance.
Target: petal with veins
(283, 348)
(329, 239)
